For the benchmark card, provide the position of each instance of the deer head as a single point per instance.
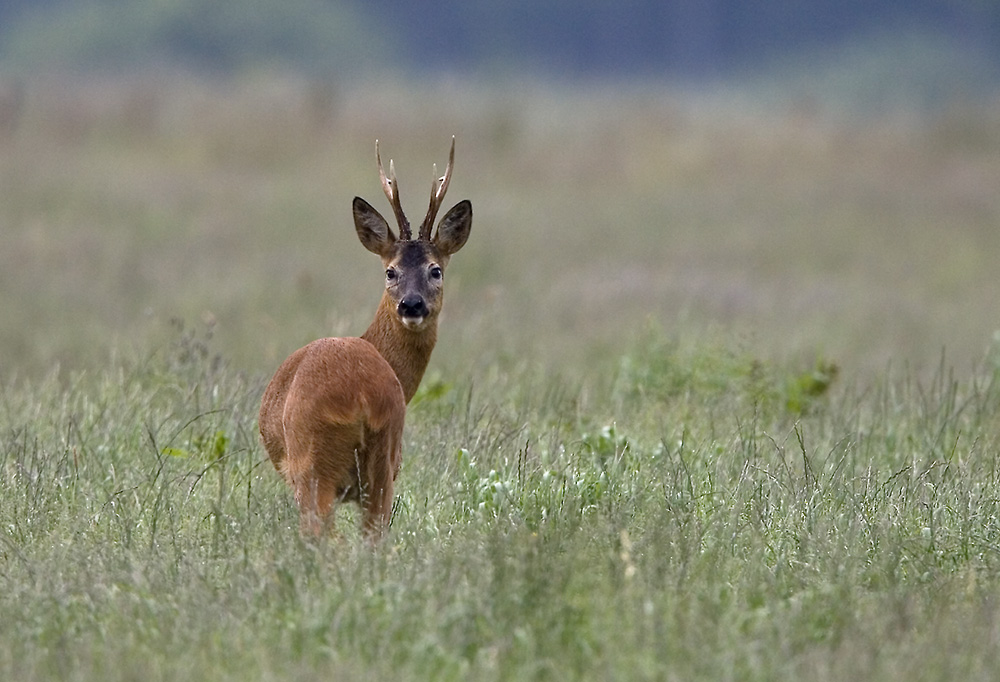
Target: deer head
(414, 268)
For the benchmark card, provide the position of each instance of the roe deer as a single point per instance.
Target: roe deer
(332, 417)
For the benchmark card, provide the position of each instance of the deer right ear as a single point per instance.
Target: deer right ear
(373, 230)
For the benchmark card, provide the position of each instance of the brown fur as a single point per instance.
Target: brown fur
(331, 418)
(332, 421)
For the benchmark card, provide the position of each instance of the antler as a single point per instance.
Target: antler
(391, 189)
(438, 188)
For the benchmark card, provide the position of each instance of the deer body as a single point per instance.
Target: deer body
(332, 417)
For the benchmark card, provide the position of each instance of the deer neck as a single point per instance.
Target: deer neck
(407, 351)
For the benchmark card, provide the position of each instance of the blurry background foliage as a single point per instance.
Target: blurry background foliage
(219, 35)
(679, 38)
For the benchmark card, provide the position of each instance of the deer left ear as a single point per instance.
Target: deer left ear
(453, 230)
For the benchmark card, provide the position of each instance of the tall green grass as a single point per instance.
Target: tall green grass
(682, 522)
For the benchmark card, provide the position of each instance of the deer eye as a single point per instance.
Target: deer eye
(390, 275)
(437, 272)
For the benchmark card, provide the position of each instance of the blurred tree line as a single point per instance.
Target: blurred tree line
(686, 37)
(218, 35)
(672, 37)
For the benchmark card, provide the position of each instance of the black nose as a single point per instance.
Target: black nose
(412, 306)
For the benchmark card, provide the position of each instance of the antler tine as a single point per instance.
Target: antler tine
(391, 189)
(438, 189)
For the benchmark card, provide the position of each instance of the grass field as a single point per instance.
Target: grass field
(717, 394)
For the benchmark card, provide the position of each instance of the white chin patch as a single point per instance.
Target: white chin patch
(412, 322)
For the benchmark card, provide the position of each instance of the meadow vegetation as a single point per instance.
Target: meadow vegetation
(717, 394)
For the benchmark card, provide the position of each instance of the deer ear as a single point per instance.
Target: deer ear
(373, 231)
(453, 230)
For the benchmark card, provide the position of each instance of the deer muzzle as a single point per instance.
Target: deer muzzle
(412, 311)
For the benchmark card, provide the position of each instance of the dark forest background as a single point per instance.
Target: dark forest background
(678, 39)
